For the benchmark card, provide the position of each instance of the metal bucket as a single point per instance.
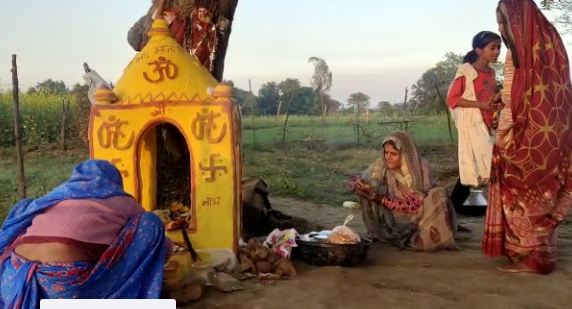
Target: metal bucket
(475, 205)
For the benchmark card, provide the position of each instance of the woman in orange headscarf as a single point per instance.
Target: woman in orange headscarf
(531, 179)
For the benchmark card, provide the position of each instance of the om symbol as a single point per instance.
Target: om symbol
(204, 124)
(109, 133)
(163, 68)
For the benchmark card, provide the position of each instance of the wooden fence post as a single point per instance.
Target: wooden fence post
(253, 101)
(18, 131)
(65, 109)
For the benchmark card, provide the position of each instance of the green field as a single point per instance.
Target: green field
(342, 129)
(312, 163)
(42, 119)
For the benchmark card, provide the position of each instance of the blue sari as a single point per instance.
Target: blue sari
(131, 268)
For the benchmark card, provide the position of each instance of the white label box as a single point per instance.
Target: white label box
(108, 303)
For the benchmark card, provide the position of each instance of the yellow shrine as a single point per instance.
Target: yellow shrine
(163, 84)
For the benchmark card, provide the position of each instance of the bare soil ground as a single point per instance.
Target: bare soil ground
(389, 278)
(393, 278)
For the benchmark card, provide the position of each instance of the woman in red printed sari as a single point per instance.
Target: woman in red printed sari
(531, 181)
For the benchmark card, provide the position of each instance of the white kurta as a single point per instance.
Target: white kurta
(475, 141)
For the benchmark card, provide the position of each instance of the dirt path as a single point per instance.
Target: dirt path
(391, 278)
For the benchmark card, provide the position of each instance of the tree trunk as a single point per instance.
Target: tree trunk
(230, 8)
(17, 130)
(323, 114)
(287, 116)
(279, 107)
(137, 36)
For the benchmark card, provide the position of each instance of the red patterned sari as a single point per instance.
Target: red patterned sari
(531, 180)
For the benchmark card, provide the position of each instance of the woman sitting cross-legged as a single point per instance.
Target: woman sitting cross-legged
(400, 204)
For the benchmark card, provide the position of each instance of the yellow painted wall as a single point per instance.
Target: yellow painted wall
(164, 83)
(215, 174)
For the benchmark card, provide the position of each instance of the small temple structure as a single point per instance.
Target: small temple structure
(166, 98)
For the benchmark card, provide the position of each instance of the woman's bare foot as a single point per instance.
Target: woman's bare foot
(515, 268)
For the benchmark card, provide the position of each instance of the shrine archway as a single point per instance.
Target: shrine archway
(163, 162)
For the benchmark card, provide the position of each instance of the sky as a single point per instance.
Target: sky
(378, 47)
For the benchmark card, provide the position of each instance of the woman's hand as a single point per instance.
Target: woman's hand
(362, 189)
(496, 98)
(380, 199)
(490, 106)
(495, 103)
(495, 107)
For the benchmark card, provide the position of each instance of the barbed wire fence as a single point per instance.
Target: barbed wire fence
(42, 117)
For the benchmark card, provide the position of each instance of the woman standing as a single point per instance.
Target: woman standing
(470, 101)
(531, 181)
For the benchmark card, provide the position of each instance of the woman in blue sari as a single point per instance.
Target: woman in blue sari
(86, 239)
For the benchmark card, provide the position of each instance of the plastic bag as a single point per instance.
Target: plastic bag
(342, 234)
(95, 82)
(351, 205)
(215, 261)
(221, 260)
(282, 242)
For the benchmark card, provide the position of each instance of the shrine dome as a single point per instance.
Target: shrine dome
(163, 71)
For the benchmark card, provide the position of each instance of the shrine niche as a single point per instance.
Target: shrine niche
(174, 133)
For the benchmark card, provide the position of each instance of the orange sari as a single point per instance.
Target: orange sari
(531, 181)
